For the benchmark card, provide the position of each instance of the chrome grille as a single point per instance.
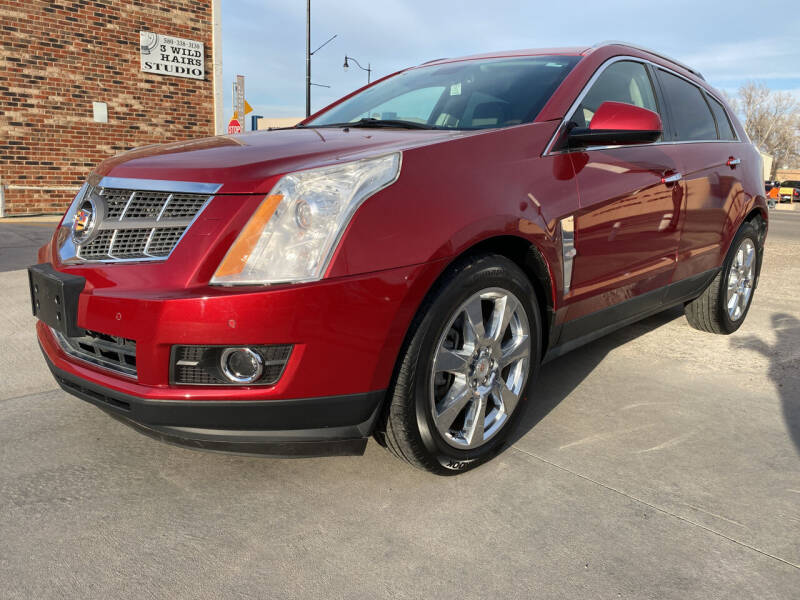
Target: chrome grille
(164, 240)
(115, 202)
(146, 205)
(97, 249)
(108, 351)
(185, 205)
(129, 243)
(140, 224)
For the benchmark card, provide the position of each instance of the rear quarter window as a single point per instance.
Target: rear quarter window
(691, 116)
(723, 122)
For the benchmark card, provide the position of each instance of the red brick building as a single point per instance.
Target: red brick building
(73, 90)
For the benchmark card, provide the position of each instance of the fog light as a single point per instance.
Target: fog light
(241, 365)
(228, 365)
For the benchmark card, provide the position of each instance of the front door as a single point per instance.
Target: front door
(626, 232)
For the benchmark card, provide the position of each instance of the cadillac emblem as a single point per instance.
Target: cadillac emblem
(86, 221)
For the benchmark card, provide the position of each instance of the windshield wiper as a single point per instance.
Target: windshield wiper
(373, 122)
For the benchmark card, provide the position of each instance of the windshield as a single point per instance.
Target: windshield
(470, 94)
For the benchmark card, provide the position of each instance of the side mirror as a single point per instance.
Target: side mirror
(617, 123)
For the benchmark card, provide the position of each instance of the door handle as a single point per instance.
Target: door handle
(732, 162)
(674, 178)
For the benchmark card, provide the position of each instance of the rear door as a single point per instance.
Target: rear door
(626, 232)
(706, 148)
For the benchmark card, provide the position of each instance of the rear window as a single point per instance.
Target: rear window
(691, 116)
(795, 184)
(723, 123)
(469, 94)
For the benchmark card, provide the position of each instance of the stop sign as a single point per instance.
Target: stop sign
(234, 127)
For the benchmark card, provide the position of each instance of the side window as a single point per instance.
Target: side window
(690, 112)
(624, 81)
(724, 126)
(416, 105)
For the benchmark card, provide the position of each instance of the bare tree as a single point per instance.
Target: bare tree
(772, 120)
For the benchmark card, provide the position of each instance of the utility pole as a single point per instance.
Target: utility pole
(309, 54)
(308, 58)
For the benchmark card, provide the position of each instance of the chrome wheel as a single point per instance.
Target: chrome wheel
(741, 279)
(480, 367)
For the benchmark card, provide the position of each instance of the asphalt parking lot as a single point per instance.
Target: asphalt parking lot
(658, 462)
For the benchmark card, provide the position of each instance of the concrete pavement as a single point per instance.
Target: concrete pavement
(19, 241)
(658, 462)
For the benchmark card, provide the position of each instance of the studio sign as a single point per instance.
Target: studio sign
(168, 55)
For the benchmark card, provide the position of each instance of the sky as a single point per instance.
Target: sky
(730, 42)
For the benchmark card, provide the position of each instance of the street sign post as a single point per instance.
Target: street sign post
(239, 97)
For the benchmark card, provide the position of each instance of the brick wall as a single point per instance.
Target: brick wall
(788, 174)
(56, 58)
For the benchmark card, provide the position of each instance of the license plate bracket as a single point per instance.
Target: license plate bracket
(54, 298)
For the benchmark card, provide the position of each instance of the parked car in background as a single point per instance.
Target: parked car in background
(790, 191)
(401, 263)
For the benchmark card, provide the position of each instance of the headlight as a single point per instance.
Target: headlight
(293, 233)
(64, 240)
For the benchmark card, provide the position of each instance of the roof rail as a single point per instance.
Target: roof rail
(427, 62)
(653, 52)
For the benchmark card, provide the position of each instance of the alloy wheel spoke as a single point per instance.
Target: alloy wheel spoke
(508, 398)
(451, 361)
(455, 401)
(749, 255)
(733, 301)
(504, 309)
(473, 320)
(744, 297)
(518, 349)
(474, 423)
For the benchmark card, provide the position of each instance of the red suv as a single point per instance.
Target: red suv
(401, 263)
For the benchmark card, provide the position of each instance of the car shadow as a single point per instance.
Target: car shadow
(782, 367)
(557, 379)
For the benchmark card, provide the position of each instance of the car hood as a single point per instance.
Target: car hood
(245, 163)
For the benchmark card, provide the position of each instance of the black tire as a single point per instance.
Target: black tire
(408, 430)
(708, 312)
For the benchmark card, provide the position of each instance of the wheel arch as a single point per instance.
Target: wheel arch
(754, 212)
(526, 255)
(530, 258)
(759, 217)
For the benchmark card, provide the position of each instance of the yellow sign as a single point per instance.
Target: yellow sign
(247, 109)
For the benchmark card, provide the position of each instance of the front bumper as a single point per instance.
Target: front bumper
(346, 334)
(336, 425)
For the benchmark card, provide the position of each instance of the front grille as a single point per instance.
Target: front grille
(108, 351)
(164, 240)
(199, 365)
(140, 224)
